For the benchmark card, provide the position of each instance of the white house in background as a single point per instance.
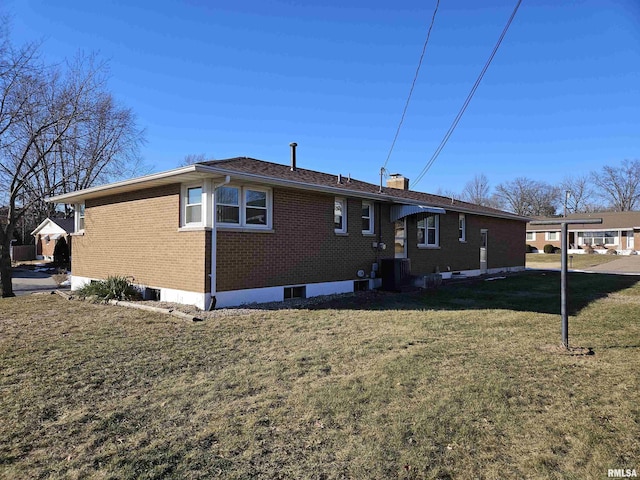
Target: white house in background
(49, 232)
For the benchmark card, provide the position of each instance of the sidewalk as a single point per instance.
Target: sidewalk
(629, 265)
(625, 265)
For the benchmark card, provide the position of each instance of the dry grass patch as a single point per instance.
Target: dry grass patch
(405, 387)
(578, 262)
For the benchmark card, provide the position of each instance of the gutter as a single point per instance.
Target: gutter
(166, 177)
(214, 243)
(124, 183)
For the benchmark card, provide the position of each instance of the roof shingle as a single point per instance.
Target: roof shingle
(349, 185)
(610, 220)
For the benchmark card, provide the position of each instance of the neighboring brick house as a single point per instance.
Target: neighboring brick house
(619, 231)
(49, 232)
(243, 230)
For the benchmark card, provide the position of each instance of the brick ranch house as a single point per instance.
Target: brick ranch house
(619, 231)
(228, 232)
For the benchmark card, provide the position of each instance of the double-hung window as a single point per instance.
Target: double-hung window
(428, 231)
(462, 227)
(79, 214)
(193, 206)
(552, 236)
(531, 236)
(367, 218)
(256, 209)
(243, 207)
(340, 215)
(228, 205)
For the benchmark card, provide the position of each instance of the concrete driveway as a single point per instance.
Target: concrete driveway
(626, 265)
(27, 281)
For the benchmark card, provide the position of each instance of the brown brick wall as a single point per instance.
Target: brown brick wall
(137, 234)
(540, 241)
(505, 247)
(45, 248)
(505, 241)
(303, 248)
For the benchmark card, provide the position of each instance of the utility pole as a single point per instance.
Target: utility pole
(567, 193)
(564, 312)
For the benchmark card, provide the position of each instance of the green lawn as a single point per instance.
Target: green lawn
(459, 382)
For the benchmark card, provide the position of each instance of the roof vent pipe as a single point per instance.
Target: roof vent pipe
(293, 146)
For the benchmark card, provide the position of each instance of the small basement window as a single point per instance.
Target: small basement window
(152, 294)
(295, 292)
(360, 285)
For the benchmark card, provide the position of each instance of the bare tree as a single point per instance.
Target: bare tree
(620, 187)
(578, 194)
(447, 193)
(192, 158)
(59, 130)
(527, 197)
(101, 148)
(477, 190)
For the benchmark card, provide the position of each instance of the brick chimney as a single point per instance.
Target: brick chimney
(396, 180)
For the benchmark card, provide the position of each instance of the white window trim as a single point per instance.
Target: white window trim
(205, 205)
(425, 244)
(186, 205)
(547, 237)
(462, 219)
(600, 233)
(242, 199)
(533, 237)
(243, 208)
(78, 207)
(371, 230)
(343, 201)
(238, 206)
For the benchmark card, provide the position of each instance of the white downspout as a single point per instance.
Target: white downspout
(214, 241)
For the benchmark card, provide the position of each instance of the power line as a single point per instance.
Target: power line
(413, 84)
(468, 99)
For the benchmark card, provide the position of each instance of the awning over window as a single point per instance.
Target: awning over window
(401, 211)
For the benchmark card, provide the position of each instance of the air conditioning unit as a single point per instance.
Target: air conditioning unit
(395, 273)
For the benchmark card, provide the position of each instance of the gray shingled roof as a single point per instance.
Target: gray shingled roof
(67, 224)
(610, 221)
(349, 185)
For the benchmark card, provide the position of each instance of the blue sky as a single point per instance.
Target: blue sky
(227, 79)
